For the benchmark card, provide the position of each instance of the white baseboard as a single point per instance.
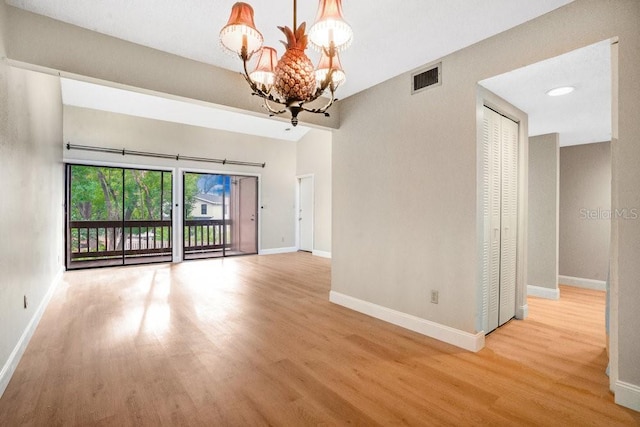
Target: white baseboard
(465, 340)
(522, 312)
(14, 358)
(322, 254)
(542, 292)
(278, 251)
(599, 285)
(627, 395)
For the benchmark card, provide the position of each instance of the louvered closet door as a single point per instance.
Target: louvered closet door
(491, 185)
(499, 207)
(509, 219)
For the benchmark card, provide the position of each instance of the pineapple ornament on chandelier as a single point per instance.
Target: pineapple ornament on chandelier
(291, 81)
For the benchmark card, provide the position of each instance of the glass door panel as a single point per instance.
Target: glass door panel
(117, 216)
(206, 205)
(147, 213)
(94, 216)
(217, 217)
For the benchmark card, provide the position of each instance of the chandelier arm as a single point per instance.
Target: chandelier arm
(322, 110)
(327, 83)
(254, 86)
(270, 109)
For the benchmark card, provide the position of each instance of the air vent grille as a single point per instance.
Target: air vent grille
(424, 79)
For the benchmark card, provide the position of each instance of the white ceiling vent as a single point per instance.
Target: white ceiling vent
(424, 79)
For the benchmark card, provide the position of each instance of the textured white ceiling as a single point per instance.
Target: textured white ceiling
(581, 117)
(391, 37)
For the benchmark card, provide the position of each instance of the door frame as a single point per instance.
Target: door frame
(313, 208)
(493, 101)
(178, 208)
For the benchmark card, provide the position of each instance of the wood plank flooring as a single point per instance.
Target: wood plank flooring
(254, 341)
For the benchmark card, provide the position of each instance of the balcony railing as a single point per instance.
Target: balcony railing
(109, 240)
(114, 239)
(205, 235)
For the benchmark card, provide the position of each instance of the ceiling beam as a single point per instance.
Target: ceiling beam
(49, 45)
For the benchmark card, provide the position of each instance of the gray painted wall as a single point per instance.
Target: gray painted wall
(31, 174)
(543, 211)
(103, 129)
(404, 175)
(585, 209)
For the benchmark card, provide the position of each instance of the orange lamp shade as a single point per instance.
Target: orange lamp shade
(325, 65)
(264, 73)
(330, 27)
(240, 31)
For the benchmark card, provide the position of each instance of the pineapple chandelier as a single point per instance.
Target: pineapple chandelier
(291, 81)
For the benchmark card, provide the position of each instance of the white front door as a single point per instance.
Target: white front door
(305, 213)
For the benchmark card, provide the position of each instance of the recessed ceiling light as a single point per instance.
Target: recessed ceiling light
(559, 91)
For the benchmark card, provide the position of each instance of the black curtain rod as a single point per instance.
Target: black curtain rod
(124, 152)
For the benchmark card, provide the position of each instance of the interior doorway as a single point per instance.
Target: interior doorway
(220, 215)
(586, 114)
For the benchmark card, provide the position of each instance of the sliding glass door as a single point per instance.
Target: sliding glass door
(220, 215)
(117, 216)
(120, 216)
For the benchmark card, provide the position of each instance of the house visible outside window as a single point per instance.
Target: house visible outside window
(203, 209)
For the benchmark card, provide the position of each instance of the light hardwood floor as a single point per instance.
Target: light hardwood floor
(254, 341)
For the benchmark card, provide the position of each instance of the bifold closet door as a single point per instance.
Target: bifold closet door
(509, 219)
(491, 186)
(499, 207)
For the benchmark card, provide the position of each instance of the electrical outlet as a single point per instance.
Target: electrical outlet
(26, 304)
(434, 296)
